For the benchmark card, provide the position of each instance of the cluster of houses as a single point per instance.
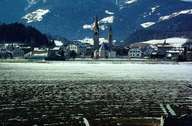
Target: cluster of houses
(13, 50)
(163, 50)
(76, 49)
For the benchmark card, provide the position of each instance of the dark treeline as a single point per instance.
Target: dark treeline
(20, 33)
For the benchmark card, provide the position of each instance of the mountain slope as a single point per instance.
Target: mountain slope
(73, 19)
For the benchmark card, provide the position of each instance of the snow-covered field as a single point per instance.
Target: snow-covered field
(73, 94)
(102, 71)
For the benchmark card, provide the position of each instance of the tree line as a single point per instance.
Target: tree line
(17, 32)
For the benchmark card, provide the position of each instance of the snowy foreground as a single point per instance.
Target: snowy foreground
(101, 71)
(83, 94)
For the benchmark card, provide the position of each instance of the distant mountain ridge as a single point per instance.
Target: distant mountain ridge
(72, 19)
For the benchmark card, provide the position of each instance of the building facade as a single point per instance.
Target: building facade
(135, 53)
(188, 50)
(73, 47)
(104, 50)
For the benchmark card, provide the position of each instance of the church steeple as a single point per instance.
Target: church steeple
(117, 2)
(96, 33)
(110, 37)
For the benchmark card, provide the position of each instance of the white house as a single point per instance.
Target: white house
(135, 53)
(73, 47)
(12, 50)
(188, 50)
(141, 50)
(40, 52)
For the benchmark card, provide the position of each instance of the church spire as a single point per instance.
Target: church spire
(117, 2)
(96, 33)
(110, 37)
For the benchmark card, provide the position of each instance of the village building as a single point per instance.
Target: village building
(73, 47)
(163, 50)
(86, 50)
(188, 50)
(174, 53)
(105, 50)
(11, 50)
(58, 52)
(141, 50)
(39, 53)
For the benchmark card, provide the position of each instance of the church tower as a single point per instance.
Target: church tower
(110, 37)
(117, 2)
(96, 34)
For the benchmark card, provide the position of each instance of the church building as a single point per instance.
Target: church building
(105, 50)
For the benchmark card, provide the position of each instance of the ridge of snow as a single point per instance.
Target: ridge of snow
(175, 41)
(167, 17)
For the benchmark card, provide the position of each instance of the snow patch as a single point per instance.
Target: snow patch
(107, 20)
(147, 24)
(58, 43)
(153, 9)
(103, 27)
(187, 0)
(130, 1)
(87, 26)
(90, 40)
(102, 23)
(109, 12)
(33, 2)
(36, 16)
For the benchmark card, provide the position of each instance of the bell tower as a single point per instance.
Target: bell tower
(117, 2)
(96, 33)
(110, 37)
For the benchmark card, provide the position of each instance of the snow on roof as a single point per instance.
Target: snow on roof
(56, 48)
(138, 45)
(58, 43)
(175, 42)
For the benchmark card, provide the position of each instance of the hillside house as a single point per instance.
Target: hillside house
(73, 47)
(188, 50)
(163, 49)
(141, 50)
